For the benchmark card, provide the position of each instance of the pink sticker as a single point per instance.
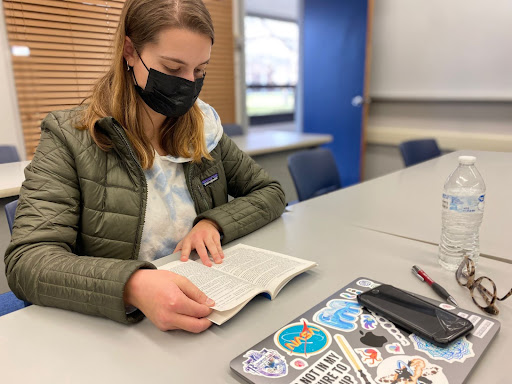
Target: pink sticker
(395, 349)
(299, 364)
(447, 306)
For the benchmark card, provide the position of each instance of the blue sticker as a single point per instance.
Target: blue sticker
(210, 179)
(464, 204)
(458, 351)
(339, 314)
(368, 322)
(366, 284)
(267, 363)
(302, 339)
(348, 296)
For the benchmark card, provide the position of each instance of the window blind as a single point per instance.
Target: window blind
(69, 48)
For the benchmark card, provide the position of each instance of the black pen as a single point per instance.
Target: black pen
(420, 274)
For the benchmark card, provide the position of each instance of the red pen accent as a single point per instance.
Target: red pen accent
(420, 274)
(427, 278)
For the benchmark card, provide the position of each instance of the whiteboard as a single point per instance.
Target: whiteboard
(442, 49)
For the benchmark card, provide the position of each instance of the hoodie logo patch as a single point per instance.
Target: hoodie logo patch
(210, 180)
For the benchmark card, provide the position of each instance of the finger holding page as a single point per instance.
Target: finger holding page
(160, 295)
(194, 293)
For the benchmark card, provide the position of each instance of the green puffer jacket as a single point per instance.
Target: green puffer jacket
(79, 221)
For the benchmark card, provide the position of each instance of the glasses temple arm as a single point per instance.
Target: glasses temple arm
(506, 296)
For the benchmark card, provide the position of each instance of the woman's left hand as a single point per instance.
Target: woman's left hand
(205, 235)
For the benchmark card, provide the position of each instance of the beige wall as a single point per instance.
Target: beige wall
(484, 126)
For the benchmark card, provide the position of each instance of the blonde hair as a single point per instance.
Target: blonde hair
(115, 95)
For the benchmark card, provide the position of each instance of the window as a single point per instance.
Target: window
(271, 69)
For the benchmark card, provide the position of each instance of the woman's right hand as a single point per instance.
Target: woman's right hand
(169, 300)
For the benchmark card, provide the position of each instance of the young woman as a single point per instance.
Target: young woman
(142, 169)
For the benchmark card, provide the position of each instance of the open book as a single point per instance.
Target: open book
(244, 273)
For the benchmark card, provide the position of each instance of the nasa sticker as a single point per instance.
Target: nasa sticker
(303, 339)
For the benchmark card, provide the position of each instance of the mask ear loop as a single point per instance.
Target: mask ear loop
(133, 73)
(140, 57)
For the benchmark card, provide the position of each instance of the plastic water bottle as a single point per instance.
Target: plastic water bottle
(463, 210)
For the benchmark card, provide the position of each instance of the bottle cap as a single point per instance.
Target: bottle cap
(467, 160)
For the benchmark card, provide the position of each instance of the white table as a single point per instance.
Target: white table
(46, 345)
(407, 203)
(257, 143)
(11, 177)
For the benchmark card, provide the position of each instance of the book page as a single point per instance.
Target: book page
(220, 317)
(244, 273)
(227, 291)
(265, 269)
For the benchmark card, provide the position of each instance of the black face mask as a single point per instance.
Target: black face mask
(169, 95)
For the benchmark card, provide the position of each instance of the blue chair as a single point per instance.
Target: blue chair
(314, 172)
(232, 129)
(8, 302)
(8, 154)
(417, 151)
(10, 212)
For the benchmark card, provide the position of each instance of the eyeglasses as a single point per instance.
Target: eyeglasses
(483, 290)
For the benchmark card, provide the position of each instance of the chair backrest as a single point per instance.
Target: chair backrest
(10, 303)
(10, 211)
(8, 154)
(417, 151)
(314, 172)
(232, 129)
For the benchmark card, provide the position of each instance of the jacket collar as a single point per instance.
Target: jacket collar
(115, 131)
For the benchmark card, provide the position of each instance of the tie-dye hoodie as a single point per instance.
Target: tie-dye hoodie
(170, 210)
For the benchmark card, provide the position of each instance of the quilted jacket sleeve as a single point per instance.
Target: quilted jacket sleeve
(258, 199)
(40, 264)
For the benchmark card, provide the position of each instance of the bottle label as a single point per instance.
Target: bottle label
(464, 204)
